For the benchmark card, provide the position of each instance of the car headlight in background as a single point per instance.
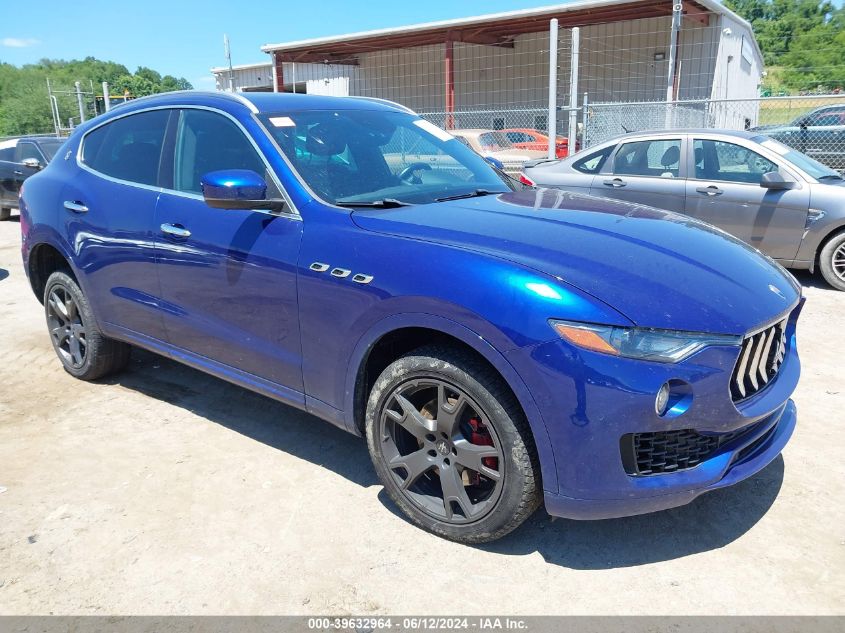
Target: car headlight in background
(664, 346)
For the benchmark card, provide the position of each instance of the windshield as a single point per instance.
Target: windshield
(365, 156)
(49, 147)
(808, 165)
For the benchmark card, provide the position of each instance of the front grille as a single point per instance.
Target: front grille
(670, 451)
(759, 360)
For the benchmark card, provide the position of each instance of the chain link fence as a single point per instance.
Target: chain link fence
(812, 124)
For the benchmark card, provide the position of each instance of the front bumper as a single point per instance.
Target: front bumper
(764, 447)
(591, 402)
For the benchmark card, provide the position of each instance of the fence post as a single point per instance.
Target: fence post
(584, 139)
(79, 102)
(573, 89)
(106, 96)
(552, 87)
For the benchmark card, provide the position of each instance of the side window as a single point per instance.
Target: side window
(7, 154)
(717, 160)
(517, 137)
(208, 141)
(592, 163)
(28, 150)
(660, 158)
(128, 148)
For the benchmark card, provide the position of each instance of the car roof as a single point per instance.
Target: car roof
(702, 130)
(261, 102)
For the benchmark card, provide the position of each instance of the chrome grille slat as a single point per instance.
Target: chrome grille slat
(759, 361)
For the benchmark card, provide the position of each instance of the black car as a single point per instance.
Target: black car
(819, 134)
(20, 158)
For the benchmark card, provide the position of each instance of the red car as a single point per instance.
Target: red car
(526, 138)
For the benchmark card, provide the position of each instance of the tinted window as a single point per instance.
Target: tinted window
(128, 148)
(28, 150)
(494, 141)
(206, 142)
(717, 160)
(592, 163)
(7, 153)
(517, 137)
(661, 158)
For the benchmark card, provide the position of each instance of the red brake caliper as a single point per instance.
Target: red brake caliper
(481, 436)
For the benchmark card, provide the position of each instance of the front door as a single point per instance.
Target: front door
(725, 191)
(228, 277)
(645, 172)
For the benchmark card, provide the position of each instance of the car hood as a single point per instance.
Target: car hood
(659, 269)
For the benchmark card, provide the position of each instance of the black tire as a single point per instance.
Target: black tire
(832, 261)
(5, 213)
(469, 388)
(69, 319)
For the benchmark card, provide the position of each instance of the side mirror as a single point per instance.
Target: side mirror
(237, 189)
(774, 180)
(32, 163)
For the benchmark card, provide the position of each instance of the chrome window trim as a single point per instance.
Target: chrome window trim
(293, 213)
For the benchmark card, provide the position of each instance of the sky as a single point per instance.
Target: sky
(184, 38)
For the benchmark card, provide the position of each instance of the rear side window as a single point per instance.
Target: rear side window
(128, 148)
(206, 142)
(660, 158)
(7, 154)
(592, 163)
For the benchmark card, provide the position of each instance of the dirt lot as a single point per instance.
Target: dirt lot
(166, 491)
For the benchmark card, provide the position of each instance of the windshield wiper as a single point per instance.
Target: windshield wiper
(831, 177)
(384, 203)
(472, 194)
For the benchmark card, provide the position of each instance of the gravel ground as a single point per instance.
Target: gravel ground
(166, 491)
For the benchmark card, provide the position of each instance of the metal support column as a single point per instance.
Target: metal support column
(573, 90)
(552, 116)
(449, 75)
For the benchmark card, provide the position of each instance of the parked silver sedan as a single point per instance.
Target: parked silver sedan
(780, 201)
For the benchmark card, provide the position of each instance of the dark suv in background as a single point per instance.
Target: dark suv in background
(20, 158)
(819, 134)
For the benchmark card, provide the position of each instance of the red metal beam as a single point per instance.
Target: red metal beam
(449, 74)
(279, 73)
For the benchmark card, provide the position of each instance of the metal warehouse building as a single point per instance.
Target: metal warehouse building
(494, 70)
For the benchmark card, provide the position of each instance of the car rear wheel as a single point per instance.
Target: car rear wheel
(83, 350)
(451, 445)
(832, 261)
(5, 213)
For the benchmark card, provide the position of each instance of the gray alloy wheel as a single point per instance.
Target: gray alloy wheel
(441, 450)
(451, 445)
(83, 350)
(832, 261)
(64, 321)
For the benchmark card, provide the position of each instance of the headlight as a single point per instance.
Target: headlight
(664, 346)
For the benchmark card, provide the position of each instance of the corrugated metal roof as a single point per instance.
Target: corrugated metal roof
(494, 28)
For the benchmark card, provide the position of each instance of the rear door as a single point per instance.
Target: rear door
(645, 171)
(724, 190)
(109, 213)
(7, 174)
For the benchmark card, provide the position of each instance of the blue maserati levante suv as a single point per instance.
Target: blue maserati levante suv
(498, 348)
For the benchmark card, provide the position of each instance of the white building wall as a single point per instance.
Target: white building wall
(738, 73)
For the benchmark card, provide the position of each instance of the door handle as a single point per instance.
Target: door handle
(712, 190)
(174, 230)
(616, 182)
(18, 172)
(75, 206)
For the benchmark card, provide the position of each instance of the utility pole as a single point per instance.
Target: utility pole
(573, 93)
(106, 96)
(228, 52)
(80, 102)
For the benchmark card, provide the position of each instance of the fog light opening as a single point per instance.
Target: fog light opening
(673, 398)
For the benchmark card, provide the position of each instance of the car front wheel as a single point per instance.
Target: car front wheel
(451, 445)
(832, 261)
(83, 350)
